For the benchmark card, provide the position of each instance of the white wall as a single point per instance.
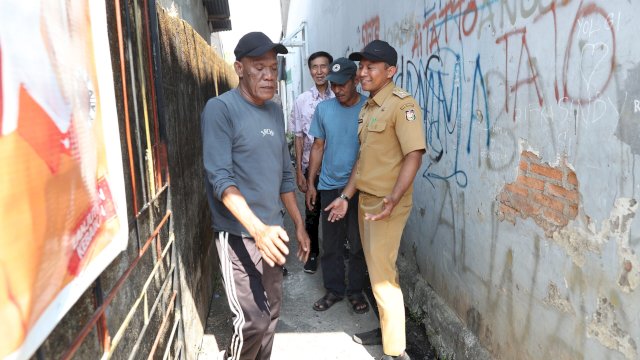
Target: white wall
(557, 79)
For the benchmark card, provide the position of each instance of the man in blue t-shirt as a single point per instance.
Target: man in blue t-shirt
(335, 128)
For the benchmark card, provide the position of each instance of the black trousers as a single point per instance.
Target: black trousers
(334, 235)
(254, 292)
(312, 221)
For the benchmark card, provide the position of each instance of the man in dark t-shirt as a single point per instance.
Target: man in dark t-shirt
(248, 180)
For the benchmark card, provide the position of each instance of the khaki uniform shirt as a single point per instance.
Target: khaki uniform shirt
(389, 127)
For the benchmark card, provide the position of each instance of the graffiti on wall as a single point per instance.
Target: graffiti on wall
(447, 75)
(487, 73)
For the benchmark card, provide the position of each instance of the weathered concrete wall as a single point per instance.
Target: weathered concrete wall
(192, 73)
(524, 208)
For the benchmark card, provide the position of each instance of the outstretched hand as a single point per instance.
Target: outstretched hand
(337, 209)
(387, 207)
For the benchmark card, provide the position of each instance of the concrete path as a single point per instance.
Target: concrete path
(302, 333)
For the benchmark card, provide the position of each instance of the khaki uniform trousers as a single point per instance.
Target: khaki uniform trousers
(380, 242)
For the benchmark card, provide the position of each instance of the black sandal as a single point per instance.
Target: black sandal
(326, 301)
(359, 304)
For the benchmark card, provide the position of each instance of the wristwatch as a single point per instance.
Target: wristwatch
(344, 197)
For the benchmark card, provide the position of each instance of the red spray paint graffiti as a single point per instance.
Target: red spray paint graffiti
(584, 13)
(370, 30)
(532, 69)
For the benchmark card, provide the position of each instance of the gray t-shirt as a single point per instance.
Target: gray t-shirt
(244, 146)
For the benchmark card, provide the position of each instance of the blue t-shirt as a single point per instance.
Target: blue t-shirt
(338, 126)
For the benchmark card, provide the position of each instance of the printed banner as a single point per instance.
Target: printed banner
(62, 200)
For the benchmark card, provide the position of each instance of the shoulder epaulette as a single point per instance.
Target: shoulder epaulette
(400, 92)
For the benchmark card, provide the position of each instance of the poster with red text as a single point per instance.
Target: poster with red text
(62, 199)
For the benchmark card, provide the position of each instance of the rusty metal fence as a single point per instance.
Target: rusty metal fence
(152, 301)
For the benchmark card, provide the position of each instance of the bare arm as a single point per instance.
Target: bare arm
(300, 180)
(315, 161)
(289, 201)
(410, 166)
(350, 188)
(270, 240)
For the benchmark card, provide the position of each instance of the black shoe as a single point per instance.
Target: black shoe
(312, 264)
(373, 337)
(285, 272)
(403, 356)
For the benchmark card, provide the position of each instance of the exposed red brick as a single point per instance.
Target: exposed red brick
(507, 209)
(524, 205)
(572, 210)
(508, 213)
(530, 182)
(548, 195)
(517, 189)
(548, 202)
(555, 218)
(571, 195)
(547, 171)
(546, 225)
(572, 178)
(529, 155)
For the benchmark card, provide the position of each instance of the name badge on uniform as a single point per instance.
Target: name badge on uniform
(410, 115)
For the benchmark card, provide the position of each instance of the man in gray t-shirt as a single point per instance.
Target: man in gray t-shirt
(248, 180)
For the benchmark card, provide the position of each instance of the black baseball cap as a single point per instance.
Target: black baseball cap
(341, 70)
(377, 50)
(256, 44)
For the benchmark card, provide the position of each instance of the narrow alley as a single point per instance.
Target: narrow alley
(520, 239)
(303, 333)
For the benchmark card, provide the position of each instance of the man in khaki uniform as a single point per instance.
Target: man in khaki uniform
(392, 143)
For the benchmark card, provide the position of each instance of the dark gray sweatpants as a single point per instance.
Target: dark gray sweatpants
(254, 293)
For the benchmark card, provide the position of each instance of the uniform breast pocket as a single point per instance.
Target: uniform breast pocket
(376, 136)
(377, 126)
